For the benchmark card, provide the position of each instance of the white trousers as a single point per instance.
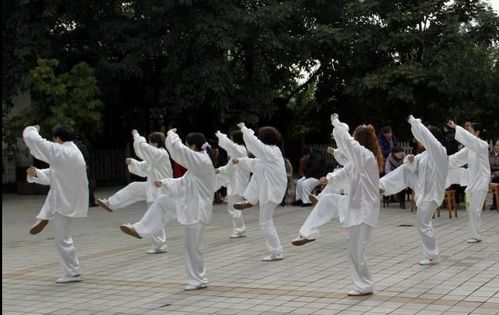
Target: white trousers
(477, 198)
(155, 218)
(327, 209)
(68, 262)
(358, 237)
(252, 190)
(132, 193)
(304, 187)
(267, 225)
(330, 206)
(424, 215)
(238, 226)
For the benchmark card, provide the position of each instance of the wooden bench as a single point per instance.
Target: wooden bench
(494, 189)
(450, 201)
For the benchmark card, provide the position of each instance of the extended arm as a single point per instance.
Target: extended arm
(42, 176)
(145, 151)
(174, 186)
(459, 158)
(351, 148)
(138, 168)
(471, 142)
(246, 163)
(254, 145)
(181, 153)
(233, 149)
(423, 135)
(40, 148)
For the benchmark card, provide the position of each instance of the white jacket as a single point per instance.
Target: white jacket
(430, 167)
(235, 178)
(268, 168)
(194, 191)
(476, 154)
(360, 178)
(155, 165)
(67, 175)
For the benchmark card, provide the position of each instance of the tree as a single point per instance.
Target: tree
(69, 98)
(211, 63)
(381, 60)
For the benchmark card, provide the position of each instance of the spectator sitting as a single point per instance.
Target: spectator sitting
(394, 160)
(302, 170)
(387, 140)
(289, 188)
(305, 185)
(494, 170)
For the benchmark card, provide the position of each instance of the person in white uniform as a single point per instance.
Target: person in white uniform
(268, 183)
(189, 199)
(235, 178)
(68, 194)
(476, 155)
(358, 209)
(155, 165)
(426, 174)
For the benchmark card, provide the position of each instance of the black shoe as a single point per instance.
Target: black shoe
(493, 207)
(402, 206)
(303, 205)
(283, 204)
(297, 203)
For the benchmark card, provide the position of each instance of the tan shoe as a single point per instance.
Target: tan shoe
(242, 205)
(104, 204)
(300, 240)
(38, 226)
(130, 230)
(313, 198)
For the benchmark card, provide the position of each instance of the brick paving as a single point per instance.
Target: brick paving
(120, 278)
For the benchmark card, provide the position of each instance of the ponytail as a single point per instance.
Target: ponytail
(199, 141)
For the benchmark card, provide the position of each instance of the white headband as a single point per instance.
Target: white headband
(205, 146)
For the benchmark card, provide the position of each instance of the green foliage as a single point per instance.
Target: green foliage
(385, 59)
(211, 63)
(69, 98)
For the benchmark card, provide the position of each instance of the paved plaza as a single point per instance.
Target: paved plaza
(120, 278)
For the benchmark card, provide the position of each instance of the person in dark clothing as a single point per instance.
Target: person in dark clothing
(387, 140)
(452, 146)
(494, 170)
(91, 179)
(302, 169)
(450, 143)
(315, 169)
(393, 161)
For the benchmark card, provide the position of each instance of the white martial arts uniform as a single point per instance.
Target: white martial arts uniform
(155, 165)
(358, 210)
(68, 194)
(426, 175)
(476, 154)
(189, 199)
(236, 180)
(267, 185)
